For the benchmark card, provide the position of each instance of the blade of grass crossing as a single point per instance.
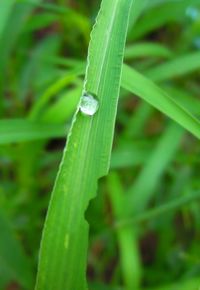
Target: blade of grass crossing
(153, 213)
(185, 98)
(63, 254)
(151, 93)
(174, 68)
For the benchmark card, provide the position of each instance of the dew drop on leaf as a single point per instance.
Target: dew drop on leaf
(89, 104)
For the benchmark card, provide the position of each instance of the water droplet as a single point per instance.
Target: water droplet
(88, 105)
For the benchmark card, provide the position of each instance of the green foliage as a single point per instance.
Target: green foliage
(139, 193)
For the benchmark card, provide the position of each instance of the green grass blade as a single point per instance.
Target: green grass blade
(12, 258)
(153, 213)
(63, 255)
(5, 10)
(138, 84)
(184, 98)
(175, 68)
(147, 49)
(146, 182)
(64, 108)
(50, 92)
(151, 93)
(129, 254)
(19, 130)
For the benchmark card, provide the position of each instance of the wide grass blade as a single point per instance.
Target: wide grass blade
(160, 99)
(63, 255)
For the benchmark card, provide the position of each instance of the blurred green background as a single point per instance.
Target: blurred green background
(154, 165)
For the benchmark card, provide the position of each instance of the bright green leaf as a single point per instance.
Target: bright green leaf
(63, 254)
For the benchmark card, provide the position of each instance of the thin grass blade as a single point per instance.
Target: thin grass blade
(175, 68)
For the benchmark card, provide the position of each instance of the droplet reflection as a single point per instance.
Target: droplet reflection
(88, 105)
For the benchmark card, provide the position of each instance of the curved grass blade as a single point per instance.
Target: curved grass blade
(64, 108)
(63, 255)
(50, 92)
(151, 93)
